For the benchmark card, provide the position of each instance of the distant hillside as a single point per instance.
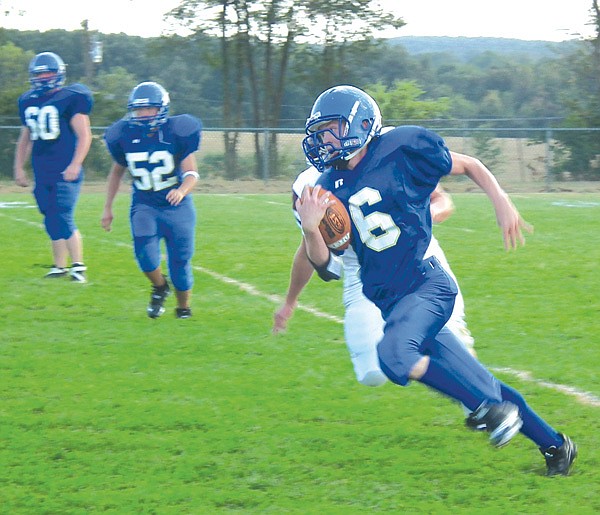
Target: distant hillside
(467, 48)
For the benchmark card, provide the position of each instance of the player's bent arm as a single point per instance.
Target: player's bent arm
(112, 187)
(441, 205)
(332, 270)
(81, 126)
(190, 178)
(190, 174)
(311, 210)
(507, 215)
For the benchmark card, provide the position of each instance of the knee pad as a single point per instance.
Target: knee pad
(392, 364)
(60, 225)
(181, 275)
(147, 253)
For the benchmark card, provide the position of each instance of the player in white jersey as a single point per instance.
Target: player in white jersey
(363, 323)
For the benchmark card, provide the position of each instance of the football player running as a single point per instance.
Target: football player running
(158, 150)
(385, 181)
(363, 324)
(56, 134)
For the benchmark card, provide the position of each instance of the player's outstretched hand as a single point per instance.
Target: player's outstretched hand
(106, 221)
(281, 317)
(512, 224)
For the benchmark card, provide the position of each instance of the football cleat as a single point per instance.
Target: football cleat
(560, 459)
(473, 424)
(55, 272)
(183, 312)
(77, 272)
(502, 421)
(157, 300)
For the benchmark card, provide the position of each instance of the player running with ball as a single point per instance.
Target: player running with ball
(385, 181)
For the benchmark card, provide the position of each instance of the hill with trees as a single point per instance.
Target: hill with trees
(465, 49)
(255, 78)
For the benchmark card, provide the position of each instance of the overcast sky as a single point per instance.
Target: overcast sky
(550, 20)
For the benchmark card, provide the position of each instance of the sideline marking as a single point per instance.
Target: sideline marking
(276, 299)
(576, 203)
(580, 396)
(13, 205)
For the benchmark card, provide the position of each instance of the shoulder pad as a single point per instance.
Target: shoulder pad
(25, 96)
(114, 132)
(185, 124)
(414, 140)
(79, 88)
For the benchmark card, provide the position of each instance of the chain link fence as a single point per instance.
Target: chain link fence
(523, 159)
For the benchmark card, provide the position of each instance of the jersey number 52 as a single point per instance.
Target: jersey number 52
(160, 177)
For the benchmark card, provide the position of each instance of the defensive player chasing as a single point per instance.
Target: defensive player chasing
(385, 181)
(158, 151)
(56, 133)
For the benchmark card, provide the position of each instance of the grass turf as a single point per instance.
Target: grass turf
(105, 410)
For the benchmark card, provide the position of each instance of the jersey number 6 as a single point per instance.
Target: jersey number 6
(377, 230)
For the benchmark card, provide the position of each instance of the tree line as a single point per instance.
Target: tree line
(237, 67)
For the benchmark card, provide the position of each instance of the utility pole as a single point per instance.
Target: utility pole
(92, 55)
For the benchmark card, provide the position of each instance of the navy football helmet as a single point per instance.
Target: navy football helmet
(44, 63)
(148, 94)
(358, 120)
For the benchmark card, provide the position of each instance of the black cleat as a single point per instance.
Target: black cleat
(560, 459)
(56, 272)
(157, 300)
(183, 312)
(77, 272)
(502, 421)
(473, 424)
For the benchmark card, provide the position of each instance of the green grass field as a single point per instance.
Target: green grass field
(105, 410)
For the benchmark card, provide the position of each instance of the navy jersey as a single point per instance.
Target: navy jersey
(48, 118)
(387, 196)
(154, 158)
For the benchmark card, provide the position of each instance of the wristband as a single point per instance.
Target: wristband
(190, 172)
(332, 270)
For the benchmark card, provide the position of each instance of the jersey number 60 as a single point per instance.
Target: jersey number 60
(42, 122)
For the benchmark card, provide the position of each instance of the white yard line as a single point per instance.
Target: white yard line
(582, 397)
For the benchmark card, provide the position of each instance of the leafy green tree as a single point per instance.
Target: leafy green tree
(13, 82)
(583, 148)
(258, 39)
(401, 103)
(110, 104)
(14, 76)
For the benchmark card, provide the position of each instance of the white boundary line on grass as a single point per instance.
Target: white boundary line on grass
(582, 397)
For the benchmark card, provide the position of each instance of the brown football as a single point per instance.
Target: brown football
(335, 227)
